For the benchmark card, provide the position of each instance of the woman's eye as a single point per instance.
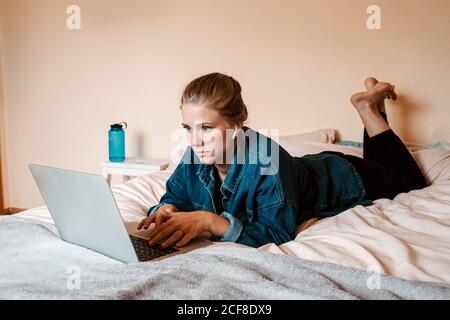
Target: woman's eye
(205, 128)
(187, 129)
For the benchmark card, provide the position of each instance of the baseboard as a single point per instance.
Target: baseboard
(10, 211)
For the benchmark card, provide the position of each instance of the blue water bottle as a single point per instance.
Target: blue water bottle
(117, 142)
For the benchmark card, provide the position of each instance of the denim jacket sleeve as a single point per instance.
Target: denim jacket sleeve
(175, 192)
(275, 224)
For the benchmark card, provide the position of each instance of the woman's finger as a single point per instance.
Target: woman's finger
(148, 221)
(158, 220)
(187, 237)
(177, 235)
(141, 224)
(161, 234)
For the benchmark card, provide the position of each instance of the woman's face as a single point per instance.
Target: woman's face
(207, 133)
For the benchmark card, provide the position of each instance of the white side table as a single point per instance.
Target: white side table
(133, 167)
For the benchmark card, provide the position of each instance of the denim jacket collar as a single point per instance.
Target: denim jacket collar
(234, 174)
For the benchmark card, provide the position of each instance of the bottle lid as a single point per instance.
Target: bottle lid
(119, 125)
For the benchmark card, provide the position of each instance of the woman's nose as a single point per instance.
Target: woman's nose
(196, 138)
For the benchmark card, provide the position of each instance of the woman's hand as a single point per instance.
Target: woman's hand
(158, 217)
(182, 227)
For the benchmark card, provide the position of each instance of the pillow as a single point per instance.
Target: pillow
(136, 196)
(321, 135)
(442, 145)
(434, 163)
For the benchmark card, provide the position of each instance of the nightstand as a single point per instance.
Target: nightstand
(133, 167)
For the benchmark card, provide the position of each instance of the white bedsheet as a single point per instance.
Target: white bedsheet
(408, 237)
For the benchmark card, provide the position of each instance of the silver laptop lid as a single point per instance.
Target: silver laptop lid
(85, 211)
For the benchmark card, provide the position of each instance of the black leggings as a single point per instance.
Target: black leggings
(388, 167)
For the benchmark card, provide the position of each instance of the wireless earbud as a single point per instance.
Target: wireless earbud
(234, 133)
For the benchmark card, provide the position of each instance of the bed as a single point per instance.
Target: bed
(394, 249)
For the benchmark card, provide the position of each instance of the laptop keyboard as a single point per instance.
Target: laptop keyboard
(146, 253)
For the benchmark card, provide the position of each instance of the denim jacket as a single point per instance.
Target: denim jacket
(265, 196)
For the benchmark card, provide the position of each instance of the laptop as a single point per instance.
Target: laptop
(86, 214)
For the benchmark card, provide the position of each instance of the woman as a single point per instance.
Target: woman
(260, 193)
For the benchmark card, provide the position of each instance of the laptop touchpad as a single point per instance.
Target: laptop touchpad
(132, 229)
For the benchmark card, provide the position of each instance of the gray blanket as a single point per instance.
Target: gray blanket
(36, 264)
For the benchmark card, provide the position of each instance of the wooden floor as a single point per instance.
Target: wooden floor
(10, 211)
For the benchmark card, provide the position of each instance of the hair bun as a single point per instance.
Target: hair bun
(236, 85)
(220, 92)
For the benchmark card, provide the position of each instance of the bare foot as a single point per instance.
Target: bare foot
(369, 100)
(371, 82)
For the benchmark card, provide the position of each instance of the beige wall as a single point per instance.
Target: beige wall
(298, 63)
(3, 173)
(3, 178)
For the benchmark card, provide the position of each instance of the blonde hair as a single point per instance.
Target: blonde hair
(220, 92)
